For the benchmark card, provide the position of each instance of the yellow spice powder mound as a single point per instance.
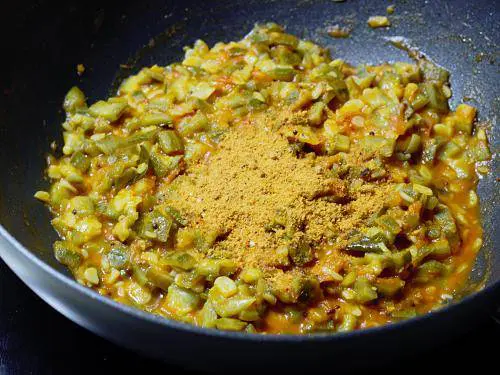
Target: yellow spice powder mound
(265, 202)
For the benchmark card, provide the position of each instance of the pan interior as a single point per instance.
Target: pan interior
(103, 36)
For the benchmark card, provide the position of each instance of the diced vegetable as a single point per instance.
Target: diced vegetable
(75, 99)
(110, 111)
(383, 146)
(300, 252)
(80, 161)
(365, 292)
(316, 113)
(111, 143)
(91, 275)
(170, 142)
(181, 301)
(389, 287)
(156, 226)
(65, 255)
(365, 245)
(163, 164)
(159, 278)
(181, 260)
(118, 257)
(155, 118)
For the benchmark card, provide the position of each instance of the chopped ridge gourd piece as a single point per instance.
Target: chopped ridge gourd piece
(110, 111)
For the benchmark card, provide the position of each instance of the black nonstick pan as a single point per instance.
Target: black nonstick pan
(42, 44)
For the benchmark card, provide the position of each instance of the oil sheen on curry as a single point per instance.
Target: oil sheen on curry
(262, 186)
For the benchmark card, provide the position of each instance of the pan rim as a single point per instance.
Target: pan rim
(286, 338)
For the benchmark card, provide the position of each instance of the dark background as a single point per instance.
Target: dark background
(35, 339)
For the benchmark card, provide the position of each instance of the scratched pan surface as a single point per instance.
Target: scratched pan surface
(43, 43)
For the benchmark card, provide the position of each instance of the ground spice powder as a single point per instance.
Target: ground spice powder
(265, 200)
